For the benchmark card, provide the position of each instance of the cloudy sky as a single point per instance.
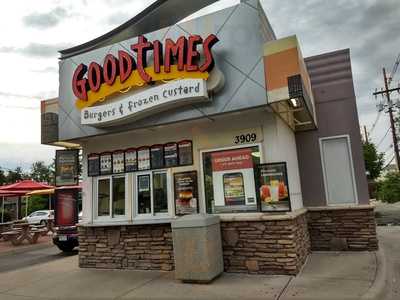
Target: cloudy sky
(33, 31)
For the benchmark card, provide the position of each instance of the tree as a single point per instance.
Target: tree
(3, 177)
(41, 172)
(389, 188)
(15, 175)
(374, 161)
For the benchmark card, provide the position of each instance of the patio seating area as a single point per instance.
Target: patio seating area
(21, 232)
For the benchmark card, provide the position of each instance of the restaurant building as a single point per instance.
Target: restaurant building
(213, 115)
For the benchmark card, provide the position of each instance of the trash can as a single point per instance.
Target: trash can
(197, 248)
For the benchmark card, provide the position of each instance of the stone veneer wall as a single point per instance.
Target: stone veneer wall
(266, 247)
(343, 229)
(144, 247)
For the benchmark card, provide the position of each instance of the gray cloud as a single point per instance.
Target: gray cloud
(46, 70)
(36, 50)
(45, 20)
(118, 18)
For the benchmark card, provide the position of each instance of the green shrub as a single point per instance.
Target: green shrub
(389, 188)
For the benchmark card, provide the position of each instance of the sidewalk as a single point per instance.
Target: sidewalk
(325, 276)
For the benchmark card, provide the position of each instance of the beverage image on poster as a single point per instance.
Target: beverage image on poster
(93, 165)
(105, 163)
(66, 167)
(130, 160)
(185, 153)
(273, 187)
(234, 189)
(171, 154)
(186, 199)
(157, 156)
(143, 155)
(118, 162)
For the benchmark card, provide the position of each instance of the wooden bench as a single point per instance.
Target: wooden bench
(12, 236)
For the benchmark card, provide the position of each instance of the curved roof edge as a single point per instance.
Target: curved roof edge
(160, 14)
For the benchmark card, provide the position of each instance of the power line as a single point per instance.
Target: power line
(389, 163)
(388, 148)
(383, 138)
(394, 69)
(375, 122)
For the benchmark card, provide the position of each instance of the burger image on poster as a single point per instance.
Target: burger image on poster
(233, 179)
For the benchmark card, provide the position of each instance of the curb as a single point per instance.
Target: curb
(378, 288)
(26, 249)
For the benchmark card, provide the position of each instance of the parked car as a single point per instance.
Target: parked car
(40, 217)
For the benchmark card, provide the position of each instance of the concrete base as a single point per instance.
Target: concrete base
(197, 248)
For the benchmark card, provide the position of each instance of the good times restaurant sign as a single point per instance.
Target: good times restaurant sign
(177, 76)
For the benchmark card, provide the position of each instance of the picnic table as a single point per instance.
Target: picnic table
(23, 231)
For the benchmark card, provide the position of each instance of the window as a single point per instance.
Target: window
(111, 196)
(337, 166)
(229, 179)
(118, 198)
(152, 193)
(103, 196)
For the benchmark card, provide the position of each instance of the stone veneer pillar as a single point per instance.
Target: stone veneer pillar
(342, 228)
(265, 244)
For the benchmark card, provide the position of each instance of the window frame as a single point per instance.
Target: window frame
(110, 216)
(152, 214)
(349, 149)
(203, 205)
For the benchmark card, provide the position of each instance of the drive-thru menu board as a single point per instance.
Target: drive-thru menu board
(143, 155)
(157, 156)
(94, 164)
(171, 154)
(185, 193)
(130, 160)
(105, 163)
(185, 153)
(118, 162)
(273, 190)
(67, 167)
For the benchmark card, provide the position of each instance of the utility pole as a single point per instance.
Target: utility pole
(366, 134)
(387, 92)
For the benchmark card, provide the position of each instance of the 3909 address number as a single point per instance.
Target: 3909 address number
(245, 138)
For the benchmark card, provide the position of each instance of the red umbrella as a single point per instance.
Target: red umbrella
(5, 193)
(26, 185)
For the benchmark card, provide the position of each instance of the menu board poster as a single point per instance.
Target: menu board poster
(157, 156)
(171, 154)
(131, 164)
(185, 153)
(66, 207)
(93, 164)
(106, 163)
(273, 188)
(67, 167)
(186, 193)
(143, 157)
(118, 162)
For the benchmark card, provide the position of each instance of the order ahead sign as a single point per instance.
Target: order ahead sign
(153, 100)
